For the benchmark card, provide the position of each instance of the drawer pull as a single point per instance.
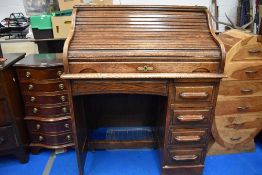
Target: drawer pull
(40, 138)
(66, 125)
(35, 110)
(30, 87)
(59, 73)
(253, 51)
(38, 126)
(63, 98)
(194, 95)
(184, 157)
(190, 118)
(235, 138)
(242, 108)
(187, 138)
(2, 140)
(28, 75)
(68, 137)
(64, 109)
(61, 86)
(247, 90)
(236, 125)
(32, 99)
(251, 71)
(145, 68)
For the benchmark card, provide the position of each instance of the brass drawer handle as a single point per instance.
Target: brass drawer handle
(235, 138)
(59, 73)
(247, 90)
(32, 99)
(253, 51)
(242, 108)
(190, 118)
(145, 68)
(184, 157)
(2, 140)
(35, 110)
(68, 137)
(64, 109)
(28, 75)
(40, 138)
(251, 71)
(61, 86)
(63, 98)
(38, 126)
(194, 95)
(30, 87)
(187, 138)
(66, 125)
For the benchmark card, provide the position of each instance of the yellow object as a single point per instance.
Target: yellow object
(68, 4)
(61, 26)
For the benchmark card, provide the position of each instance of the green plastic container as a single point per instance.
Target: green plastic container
(42, 26)
(63, 13)
(41, 22)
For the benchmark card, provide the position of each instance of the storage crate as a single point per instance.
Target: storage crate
(42, 26)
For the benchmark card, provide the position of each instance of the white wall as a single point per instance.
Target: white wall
(10, 6)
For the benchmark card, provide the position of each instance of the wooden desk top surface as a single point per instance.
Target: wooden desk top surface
(41, 60)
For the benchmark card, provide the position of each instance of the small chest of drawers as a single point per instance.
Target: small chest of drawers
(46, 100)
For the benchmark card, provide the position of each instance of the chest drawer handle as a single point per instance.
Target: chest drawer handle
(194, 95)
(253, 51)
(32, 99)
(66, 125)
(145, 68)
(35, 110)
(40, 138)
(59, 73)
(190, 118)
(242, 108)
(38, 126)
(187, 138)
(2, 140)
(251, 72)
(68, 137)
(247, 90)
(62, 98)
(28, 75)
(30, 87)
(235, 138)
(184, 157)
(61, 86)
(64, 109)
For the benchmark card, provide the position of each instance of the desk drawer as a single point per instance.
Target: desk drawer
(239, 105)
(249, 52)
(185, 157)
(40, 74)
(7, 138)
(46, 99)
(191, 117)
(194, 137)
(193, 93)
(43, 87)
(248, 73)
(51, 140)
(149, 67)
(61, 110)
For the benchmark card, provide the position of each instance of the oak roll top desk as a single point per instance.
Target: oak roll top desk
(150, 74)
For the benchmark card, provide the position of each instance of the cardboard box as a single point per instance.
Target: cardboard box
(102, 2)
(61, 26)
(68, 4)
